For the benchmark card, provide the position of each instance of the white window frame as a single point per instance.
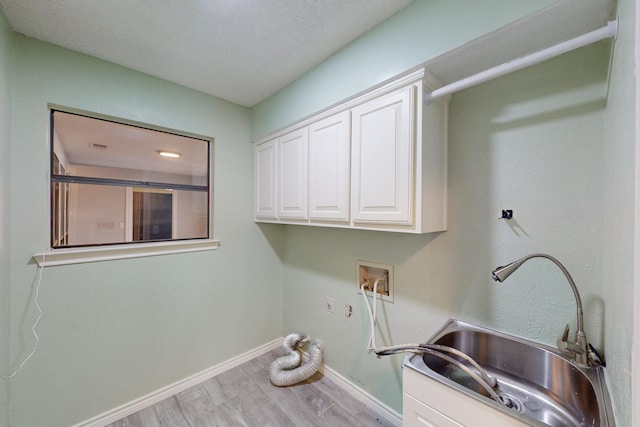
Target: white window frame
(75, 255)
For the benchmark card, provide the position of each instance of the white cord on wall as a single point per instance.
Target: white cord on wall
(33, 328)
(47, 171)
(371, 345)
(441, 351)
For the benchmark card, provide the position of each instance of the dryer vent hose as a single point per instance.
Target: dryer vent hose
(289, 369)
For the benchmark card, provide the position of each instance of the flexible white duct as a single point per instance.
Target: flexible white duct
(287, 370)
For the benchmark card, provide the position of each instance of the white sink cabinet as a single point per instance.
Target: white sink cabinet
(426, 402)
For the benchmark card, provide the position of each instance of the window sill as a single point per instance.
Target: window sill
(107, 253)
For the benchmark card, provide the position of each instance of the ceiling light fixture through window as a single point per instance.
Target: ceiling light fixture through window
(170, 154)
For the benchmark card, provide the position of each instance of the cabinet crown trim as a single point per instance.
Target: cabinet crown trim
(430, 82)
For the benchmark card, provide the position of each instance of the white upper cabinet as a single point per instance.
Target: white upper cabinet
(375, 162)
(265, 161)
(329, 168)
(293, 175)
(383, 150)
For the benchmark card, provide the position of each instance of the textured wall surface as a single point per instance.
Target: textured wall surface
(531, 142)
(5, 136)
(114, 331)
(553, 142)
(619, 207)
(420, 32)
(238, 51)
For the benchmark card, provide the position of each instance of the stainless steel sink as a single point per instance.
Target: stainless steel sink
(542, 386)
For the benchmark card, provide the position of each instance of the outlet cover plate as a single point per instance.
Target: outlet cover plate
(329, 305)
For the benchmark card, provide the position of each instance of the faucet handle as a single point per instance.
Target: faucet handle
(568, 347)
(565, 333)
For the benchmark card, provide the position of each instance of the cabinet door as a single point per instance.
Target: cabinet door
(428, 402)
(417, 414)
(383, 159)
(293, 175)
(329, 168)
(265, 165)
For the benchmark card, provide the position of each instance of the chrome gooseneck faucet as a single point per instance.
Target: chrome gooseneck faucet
(579, 348)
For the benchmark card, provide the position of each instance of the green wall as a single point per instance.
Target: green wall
(620, 207)
(517, 143)
(115, 331)
(422, 31)
(553, 142)
(5, 190)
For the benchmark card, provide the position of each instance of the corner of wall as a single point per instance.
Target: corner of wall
(620, 265)
(6, 58)
(635, 362)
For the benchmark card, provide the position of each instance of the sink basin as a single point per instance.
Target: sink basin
(542, 386)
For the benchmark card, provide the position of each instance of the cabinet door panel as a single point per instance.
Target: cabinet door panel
(417, 414)
(383, 165)
(265, 169)
(426, 400)
(329, 170)
(293, 162)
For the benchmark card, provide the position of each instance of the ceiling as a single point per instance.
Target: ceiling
(238, 50)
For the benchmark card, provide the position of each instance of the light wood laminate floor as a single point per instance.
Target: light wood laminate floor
(244, 396)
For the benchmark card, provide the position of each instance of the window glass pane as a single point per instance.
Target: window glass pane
(105, 149)
(104, 214)
(110, 184)
(178, 214)
(96, 214)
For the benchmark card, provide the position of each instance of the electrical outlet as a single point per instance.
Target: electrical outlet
(329, 305)
(348, 310)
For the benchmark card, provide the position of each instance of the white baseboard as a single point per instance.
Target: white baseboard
(386, 411)
(157, 396)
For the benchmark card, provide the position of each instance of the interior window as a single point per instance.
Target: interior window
(116, 183)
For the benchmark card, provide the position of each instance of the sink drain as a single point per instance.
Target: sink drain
(511, 402)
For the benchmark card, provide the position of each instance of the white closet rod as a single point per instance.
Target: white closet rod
(608, 31)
